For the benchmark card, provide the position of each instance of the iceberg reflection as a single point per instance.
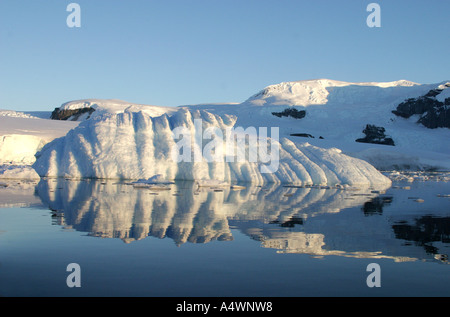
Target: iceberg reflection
(319, 221)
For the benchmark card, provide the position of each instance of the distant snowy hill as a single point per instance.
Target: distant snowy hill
(326, 91)
(15, 114)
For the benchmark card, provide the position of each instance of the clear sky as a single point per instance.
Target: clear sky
(178, 52)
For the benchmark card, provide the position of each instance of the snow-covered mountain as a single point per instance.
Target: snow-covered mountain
(335, 113)
(326, 91)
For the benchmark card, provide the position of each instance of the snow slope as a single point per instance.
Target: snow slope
(134, 145)
(338, 112)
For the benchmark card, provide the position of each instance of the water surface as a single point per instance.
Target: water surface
(266, 241)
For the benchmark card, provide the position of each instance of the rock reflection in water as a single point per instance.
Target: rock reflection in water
(426, 231)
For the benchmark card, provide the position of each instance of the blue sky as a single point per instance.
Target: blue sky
(177, 52)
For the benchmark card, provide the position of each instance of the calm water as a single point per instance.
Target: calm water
(259, 241)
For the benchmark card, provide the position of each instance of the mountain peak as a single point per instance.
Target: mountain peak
(317, 91)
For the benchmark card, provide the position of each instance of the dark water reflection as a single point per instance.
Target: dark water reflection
(316, 221)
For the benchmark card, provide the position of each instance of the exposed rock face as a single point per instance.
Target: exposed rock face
(72, 114)
(433, 113)
(438, 117)
(291, 112)
(375, 135)
(414, 106)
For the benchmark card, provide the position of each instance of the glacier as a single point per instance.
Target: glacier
(136, 145)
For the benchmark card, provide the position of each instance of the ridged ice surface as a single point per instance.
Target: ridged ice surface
(135, 145)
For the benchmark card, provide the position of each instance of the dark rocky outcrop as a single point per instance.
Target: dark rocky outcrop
(437, 117)
(414, 106)
(433, 113)
(73, 114)
(290, 112)
(375, 135)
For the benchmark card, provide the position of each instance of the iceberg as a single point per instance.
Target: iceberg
(136, 145)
